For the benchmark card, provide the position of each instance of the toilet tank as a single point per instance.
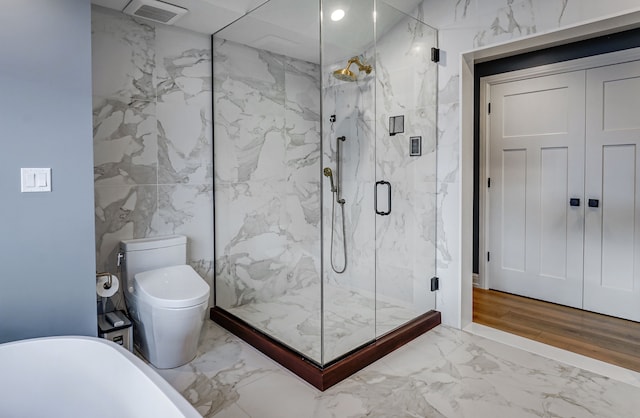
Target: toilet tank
(152, 253)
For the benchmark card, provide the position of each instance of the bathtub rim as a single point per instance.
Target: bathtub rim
(169, 391)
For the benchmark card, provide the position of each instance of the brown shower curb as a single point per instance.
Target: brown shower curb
(325, 377)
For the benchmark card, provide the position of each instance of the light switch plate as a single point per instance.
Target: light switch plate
(35, 180)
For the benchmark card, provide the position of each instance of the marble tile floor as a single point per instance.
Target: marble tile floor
(351, 318)
(444, 373)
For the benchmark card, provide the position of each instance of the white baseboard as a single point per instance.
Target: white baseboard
(477, 282)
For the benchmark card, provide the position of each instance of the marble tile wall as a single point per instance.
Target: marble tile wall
(152, 118)
(352, 103)
(463, 26)
(267, 174)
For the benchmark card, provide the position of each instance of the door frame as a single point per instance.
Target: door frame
(611, 58)
(455, 300)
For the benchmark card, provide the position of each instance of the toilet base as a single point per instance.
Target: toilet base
(167, 338)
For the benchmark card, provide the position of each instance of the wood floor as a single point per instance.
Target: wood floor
(602, 337)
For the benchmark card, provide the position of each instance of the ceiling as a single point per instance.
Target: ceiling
(289, 27)
(205, 16)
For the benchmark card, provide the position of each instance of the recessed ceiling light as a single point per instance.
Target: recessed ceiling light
(337, 15)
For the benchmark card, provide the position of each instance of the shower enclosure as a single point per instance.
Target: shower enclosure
(325, 174)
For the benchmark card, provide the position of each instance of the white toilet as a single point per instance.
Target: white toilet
(167, 300)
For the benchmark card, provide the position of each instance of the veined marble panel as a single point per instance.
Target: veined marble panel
(448, 147)
(184, 143)
(302, 148)
(122, 212)
(123, 55)
(356, 188)
(593, 8)
(153, 162)
(302, 118)
(393, 161)
(302, 88)
(187, 210)
(459, 375)
(517, 19)
(250, 111)
(352, 104)
(404, 71)
(447, 15)
(443, 373)
(349, 99)
(349, 318)
(183, 66)
(125, 146)
(359, 219)
(267, 175)
(224, 365)
(406, 247)
(358, 151)
(259, 252)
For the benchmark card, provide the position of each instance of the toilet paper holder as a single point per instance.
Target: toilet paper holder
(108, 275)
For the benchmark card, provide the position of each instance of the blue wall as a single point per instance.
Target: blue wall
(47, 257)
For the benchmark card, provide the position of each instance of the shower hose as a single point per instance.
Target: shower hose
(344, 237)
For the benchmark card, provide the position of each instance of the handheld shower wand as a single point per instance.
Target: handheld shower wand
(335, 192)
(329, 173)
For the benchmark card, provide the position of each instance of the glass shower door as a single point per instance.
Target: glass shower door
(405, 168)
(348, 220)
(378, 192)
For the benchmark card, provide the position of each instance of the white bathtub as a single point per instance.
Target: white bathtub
(82, 377)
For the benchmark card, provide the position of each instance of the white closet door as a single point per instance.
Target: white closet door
(536, 167)
(612, 230)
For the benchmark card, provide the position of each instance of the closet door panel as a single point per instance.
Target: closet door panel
(612, 227)
(536, 134)
(554, 178)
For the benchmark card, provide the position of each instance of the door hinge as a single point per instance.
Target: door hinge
(489, 182)
(435, 284)
(489, 108)
(435, 54)
(488, 256)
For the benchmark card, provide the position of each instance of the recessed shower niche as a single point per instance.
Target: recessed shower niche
(325, 225)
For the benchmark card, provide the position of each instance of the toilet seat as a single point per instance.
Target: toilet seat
(171, 287)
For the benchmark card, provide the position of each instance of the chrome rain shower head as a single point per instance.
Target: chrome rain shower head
(344, 74)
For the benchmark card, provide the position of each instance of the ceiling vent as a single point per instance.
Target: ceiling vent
(155, 10)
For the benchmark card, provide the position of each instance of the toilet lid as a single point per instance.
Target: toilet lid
(171, 287)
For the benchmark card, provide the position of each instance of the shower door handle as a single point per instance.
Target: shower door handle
(375, 197)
